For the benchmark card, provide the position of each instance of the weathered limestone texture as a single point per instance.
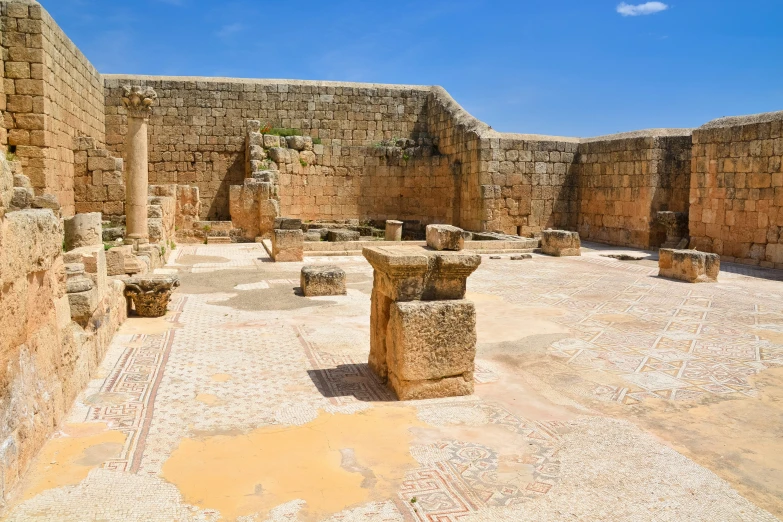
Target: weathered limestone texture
(287, 245)
(688, 265)
(341, 234)
(287, 223)
(98, 182)
(253, 208)
(415, 274)
(676, 225)
(560, 243)
(137, 101)
(322, 280)
(445, 237)
(431, 348)
(83, 230)
(393, 230)
(150, 295)
(161, 213)
(51, 342)
(188, 210)
(736, 191)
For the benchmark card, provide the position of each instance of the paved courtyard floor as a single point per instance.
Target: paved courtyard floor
(603, 393)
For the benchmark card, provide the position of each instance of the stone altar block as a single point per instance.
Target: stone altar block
(560, 243)
(287, 245)
(688, 265)
(393, 230)
(322, 280)
(422, 331)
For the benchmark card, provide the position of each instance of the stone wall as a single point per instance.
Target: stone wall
(623, 180)
(197, 130)
(53, 95)
(736, 195)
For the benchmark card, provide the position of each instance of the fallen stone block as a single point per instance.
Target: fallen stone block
(520, 257)
(341, 234)
(688, 265)
(560, 243)
(322, 280)
(393, 230)
(444, 237)
(150, 295)
(287, 245)
(432, 347)
(83, 230)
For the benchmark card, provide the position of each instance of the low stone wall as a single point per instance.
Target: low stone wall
(45, 358)
(736, 196)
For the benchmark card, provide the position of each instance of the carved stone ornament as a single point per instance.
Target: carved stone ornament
(138, 100)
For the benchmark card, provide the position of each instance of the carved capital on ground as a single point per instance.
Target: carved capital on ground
(138, 100)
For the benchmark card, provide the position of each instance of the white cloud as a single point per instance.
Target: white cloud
(646, 8)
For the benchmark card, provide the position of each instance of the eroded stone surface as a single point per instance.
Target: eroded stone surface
(688, 265)
(393, 230)
(560, 243)
(287, 245)
(445, 237)
(322, 280)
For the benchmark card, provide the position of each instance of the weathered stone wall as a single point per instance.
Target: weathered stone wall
(623, 180)
(736, 194)
(53, 95)
(197, 130)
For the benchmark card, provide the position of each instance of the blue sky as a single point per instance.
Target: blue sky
(562, 67)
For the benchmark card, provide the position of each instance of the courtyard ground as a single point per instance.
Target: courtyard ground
(603, 393)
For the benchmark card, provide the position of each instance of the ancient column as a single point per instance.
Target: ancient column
(138, 101)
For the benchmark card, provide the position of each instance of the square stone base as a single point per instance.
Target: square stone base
(688, 265)
(322, 280)
(432, 388)
(444, 237)
(287, 245)
(560, 243)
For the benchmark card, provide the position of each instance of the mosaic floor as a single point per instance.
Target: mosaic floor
(250, 403)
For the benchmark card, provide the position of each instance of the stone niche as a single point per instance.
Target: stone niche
(560, 243)
(422, 330)
(688, 265)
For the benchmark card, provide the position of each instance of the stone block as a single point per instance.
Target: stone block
(115, 262)
(83, 305)
(150, 295)
(444, 237)
(295, 142)
(688, 265)
(312, 235)
(279, 155)
(393, 230)
(22, 198)
(287, 245)
(322, 280)
(83, 230)
(271, 141)
(560, 243)
(431, 348)
(30, 241)
(340, 234)
(286, 223)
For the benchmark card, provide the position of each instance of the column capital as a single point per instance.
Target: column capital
(138, 100)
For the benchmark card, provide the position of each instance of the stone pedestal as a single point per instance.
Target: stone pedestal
(287, 245)
(83, 230)
(393, 230)
(560, 243)
(688, 265)
(322, 280)
(418, 315)
(138, 102)
(445, 237)
(150, 295)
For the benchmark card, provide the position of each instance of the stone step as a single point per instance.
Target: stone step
(218, 240)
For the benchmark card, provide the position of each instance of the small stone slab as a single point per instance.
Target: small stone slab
(560, 243)
(151, 295)
(445, 237)
(520, 257)
(688, 265)
(341, 234)
(322, 280)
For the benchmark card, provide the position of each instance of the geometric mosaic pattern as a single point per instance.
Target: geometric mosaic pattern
(663, 338)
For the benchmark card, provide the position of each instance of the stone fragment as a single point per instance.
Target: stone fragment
(340, 234)
(46, 201)
(286, 223)
(150, 295)
(688, 265)
(93, 258)
(308, 143)
(312, 235)
(307, 157)
(444, 237)
(271, 141)
(22, 181)
(295, 142)
(520, 257)
(287, 245)
(115, 262)
(432, 347)
(393, 230)
(83, 230)
(279, 155)
(322, 280)
(560, 243)
(83, 305)
(21, 198)
(495, 257)
(113, 233)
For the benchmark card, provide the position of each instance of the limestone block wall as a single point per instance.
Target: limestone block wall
(98, 183)
(197, 130)
(53, 94)
(624, 179)
(736, 192)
